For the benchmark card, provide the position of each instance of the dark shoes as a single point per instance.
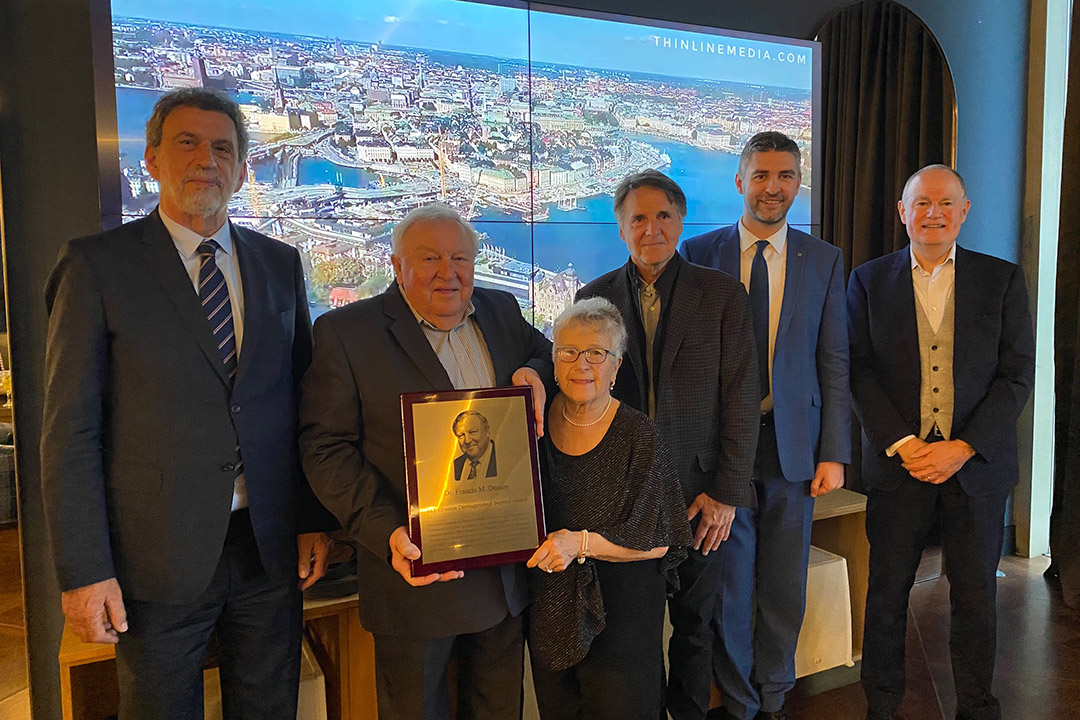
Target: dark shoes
(775, 715)
(879, 715)
(722, 714)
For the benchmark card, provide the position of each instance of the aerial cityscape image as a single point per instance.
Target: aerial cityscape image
(523, 119)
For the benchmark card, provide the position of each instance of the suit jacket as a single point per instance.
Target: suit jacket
(492, 468)
(993, 365)
(141, 427)
(811, 398)
(366, 355)
(707, 399)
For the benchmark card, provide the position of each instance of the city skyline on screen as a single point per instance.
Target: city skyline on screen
(394, 104)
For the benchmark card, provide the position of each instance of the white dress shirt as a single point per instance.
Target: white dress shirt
(776, 262)
(187, 243)
(932, 291)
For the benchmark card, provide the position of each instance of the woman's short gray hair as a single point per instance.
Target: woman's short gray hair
(430, 213)
(597, 314)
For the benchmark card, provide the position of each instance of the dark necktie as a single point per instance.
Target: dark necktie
(472, 469)
(759, 310)
(214, 296)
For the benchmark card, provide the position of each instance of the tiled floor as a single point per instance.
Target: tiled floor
(12, 625)
(1038, 656)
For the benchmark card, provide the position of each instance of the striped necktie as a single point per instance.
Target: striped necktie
(214, 296)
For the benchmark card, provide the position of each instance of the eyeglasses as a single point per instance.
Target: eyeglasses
(593, 356)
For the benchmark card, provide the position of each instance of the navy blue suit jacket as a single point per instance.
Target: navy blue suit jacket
(811, 401)
(993, 365)
(141, 425)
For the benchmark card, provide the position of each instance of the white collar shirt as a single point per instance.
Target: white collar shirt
(187, 243)
(932, 289)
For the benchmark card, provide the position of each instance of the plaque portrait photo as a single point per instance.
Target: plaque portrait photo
(473, 478)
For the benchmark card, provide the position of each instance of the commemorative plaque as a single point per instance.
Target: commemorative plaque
(473, 478)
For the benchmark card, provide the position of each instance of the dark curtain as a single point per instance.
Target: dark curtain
(888, 102)
(888, 111)
(1065, 519)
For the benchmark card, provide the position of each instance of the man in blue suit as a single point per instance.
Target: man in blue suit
(942, 363)
(796, 291)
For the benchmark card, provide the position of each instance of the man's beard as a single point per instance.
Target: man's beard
(771, 214)
(204, 202)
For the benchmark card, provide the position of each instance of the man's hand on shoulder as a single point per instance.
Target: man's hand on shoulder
(95, 613)
(528, 376)
(402, 551)
(314, 554)
(828, 477)
(715, 525)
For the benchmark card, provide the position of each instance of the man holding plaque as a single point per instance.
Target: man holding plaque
(430, 331)
(689, 364)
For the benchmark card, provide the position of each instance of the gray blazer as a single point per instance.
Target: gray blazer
(707, 401)
(366, 355)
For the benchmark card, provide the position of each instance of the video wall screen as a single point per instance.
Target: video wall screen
(523, 117)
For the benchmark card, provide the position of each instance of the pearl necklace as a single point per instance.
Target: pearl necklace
(588, 424)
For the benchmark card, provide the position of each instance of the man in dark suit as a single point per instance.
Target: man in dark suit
(171, 477)
(942, 362)
(473, 434)
(690, 365)
(430, 331)
(796, 287)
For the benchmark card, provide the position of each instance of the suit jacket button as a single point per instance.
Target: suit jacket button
(228, 467)
(235, 408)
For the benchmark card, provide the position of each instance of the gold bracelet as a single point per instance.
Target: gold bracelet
(584, 546)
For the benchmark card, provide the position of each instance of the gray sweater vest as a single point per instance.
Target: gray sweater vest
(936, 356)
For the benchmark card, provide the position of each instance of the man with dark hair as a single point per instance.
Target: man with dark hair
(473, 434)
(796, 287)
(170, 467)
(690, 366)
(942, 363)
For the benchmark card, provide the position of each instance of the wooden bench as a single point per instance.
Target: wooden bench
(344, 649)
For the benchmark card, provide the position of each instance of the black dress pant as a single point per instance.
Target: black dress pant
(412, 680)
(897, 525)
(622, 675)
(694, 613)
(257, 619)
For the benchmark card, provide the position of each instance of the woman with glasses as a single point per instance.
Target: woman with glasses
(599, 582)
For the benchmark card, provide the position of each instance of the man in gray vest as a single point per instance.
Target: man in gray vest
(942, 362)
